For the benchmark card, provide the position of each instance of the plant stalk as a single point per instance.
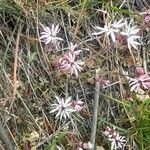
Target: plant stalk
(95, 114)
(4, 137)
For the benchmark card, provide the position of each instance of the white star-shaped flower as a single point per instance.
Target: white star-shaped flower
(117, 142)
(131, 34)
(71, 65)
(49, 35)
(114, 137)
(110, 29)
(62, 107)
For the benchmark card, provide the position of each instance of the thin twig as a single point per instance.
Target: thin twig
(95, 112)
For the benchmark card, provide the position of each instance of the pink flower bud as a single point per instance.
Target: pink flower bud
(77, 105)
(119, 37)
(56, 63)
(139, 71)
(147, 18)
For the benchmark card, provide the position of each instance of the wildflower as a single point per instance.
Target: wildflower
(138, 82)
(110, 29)
(77, 105)
(72, 49)
(48, 35)
(130, 33)
(62, 107)
(69, 62)
(71, 65)
(139, 71)
(147, 16)
(114, 137)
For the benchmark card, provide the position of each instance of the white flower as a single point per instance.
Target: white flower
(62, 107)
(117, 141)
(75, 67)
(110, 29)
(131, 32)
(71, 65)
(48, 35)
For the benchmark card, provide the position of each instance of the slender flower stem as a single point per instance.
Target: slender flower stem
(95, 112)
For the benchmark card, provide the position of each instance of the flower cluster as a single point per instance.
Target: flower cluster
(64, 108)
(117, 141)
(129, 33)
(142, 80)
(68, 63)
